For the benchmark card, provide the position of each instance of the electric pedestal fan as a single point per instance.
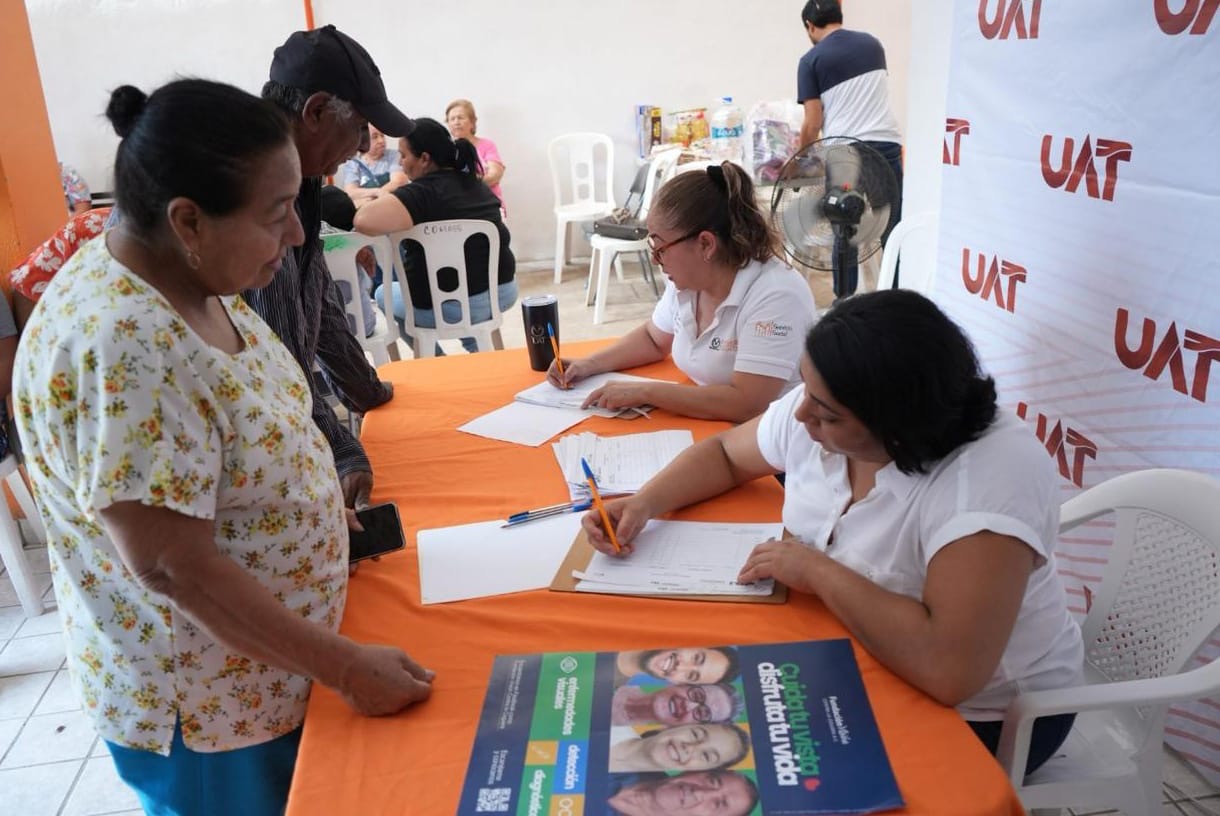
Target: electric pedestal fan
(837, 194)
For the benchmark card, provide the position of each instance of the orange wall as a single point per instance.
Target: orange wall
(31, 197)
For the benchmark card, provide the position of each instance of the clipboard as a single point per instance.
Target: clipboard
(581, 553)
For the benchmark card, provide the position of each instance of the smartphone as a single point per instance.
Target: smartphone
(382, 532)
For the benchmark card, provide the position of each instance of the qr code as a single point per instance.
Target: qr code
(493, 800)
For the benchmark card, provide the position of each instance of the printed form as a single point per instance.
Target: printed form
(681, 558)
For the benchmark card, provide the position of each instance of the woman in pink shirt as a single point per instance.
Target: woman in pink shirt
(463, 123)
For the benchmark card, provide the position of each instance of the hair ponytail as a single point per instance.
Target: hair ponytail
(750, 235)
(126, 104)
(466, 158)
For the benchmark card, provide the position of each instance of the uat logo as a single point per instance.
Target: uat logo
(956, 128)
(1195, 15)
(1155, 358)
(1058, 440)
(1010, 17)
(1075, 165)
(995, 279)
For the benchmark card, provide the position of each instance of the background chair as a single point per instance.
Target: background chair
(444, 246)
(1158, 602)
(578, 161)
(607, 250)
(12, 551)
(918, 225)
(341, 250)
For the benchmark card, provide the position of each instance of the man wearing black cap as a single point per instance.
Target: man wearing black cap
(331, 89)
(844, 86)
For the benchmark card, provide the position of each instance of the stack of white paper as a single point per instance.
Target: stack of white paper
(681, 558)
(621, 464)
(487, 558)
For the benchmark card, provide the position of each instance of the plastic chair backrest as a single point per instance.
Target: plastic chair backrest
(341, 249)
(577, 162)
(660, 170)
(1159, 597)
(904, 229)
(444, 247)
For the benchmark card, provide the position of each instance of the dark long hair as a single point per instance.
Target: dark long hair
(191, 138)
(433, 138)
(906, 371)
(719, 200)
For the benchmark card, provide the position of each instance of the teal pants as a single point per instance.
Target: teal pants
(250, 781)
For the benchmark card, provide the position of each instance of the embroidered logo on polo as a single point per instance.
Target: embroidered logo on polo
(716, 344)
(770, 328)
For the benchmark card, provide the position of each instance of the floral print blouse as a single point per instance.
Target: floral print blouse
(119, 400)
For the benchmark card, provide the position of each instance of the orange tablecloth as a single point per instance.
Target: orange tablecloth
(415, 762)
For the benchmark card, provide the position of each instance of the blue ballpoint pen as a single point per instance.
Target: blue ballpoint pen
(546, 512)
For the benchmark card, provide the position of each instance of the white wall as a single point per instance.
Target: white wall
(534, 68)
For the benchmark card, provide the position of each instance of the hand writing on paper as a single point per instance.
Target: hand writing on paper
(383, 680)
(619, 394)
(573, 372)
(786, 560)
(628, 515)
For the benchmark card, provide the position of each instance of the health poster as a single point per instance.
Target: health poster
(781, 728)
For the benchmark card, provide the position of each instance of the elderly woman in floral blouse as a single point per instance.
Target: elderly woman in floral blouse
(196, 523)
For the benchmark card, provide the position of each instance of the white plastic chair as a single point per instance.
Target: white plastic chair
(444, 245)
(12, 552)
(1158, 602)
(578, 161)
(912, 277)
(607, 250)
(341, 250)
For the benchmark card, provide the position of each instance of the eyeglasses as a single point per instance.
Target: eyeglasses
(656, 249)
(696, 694)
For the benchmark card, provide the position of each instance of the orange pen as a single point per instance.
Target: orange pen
(555, 348)
(599, 504)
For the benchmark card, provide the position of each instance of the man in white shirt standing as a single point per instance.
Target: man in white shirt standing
(843, 84)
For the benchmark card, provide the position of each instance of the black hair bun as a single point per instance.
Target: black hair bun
(126, 104)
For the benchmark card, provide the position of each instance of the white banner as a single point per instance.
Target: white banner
(1081, 200)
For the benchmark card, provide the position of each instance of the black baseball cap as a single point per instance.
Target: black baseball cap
(326, 59)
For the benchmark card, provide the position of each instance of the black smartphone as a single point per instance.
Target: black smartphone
(382, 532)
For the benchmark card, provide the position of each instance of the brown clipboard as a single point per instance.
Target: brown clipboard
(581, 553)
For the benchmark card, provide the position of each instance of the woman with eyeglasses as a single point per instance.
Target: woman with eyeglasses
(733, 314)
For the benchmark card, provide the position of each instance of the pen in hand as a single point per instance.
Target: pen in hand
(600, 505)
(555, 348)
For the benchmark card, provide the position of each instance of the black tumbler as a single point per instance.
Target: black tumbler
(538, 311)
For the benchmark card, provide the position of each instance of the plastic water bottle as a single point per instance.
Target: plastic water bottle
(727, 132)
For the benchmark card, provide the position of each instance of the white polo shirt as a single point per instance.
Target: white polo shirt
(1002, 482)
(760, 327)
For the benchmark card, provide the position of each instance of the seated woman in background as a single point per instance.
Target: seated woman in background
(31, 277)
(374, 172)
(196, 523)
(925, 522)
(445, 185)
(733, 314)
(463, 124)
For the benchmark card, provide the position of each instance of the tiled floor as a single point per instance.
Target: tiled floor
(52, 763)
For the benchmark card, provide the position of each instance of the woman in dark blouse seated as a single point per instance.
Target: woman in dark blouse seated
(446, 183)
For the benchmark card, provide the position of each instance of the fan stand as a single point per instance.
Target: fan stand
(844, 280)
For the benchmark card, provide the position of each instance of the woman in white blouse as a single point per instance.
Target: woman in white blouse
(733, 315)
(925, 522)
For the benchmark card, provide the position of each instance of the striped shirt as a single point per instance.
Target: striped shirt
(302, 305)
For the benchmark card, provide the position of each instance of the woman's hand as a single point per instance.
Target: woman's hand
(618, 394)
(786, 560)
(628, 515)
(383, 680)
(573, 372)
